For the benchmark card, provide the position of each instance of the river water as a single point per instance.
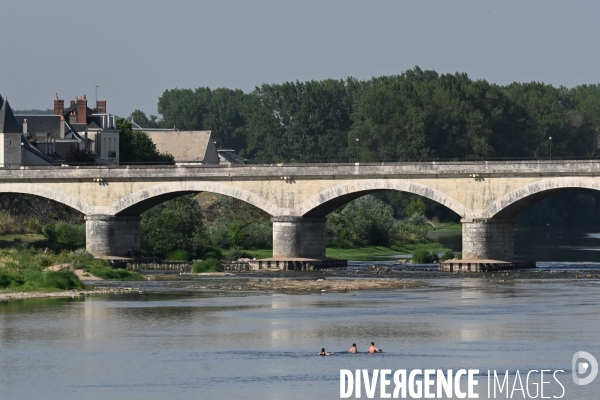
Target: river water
(170, 343)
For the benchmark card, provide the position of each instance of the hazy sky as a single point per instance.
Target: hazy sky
(136, 49)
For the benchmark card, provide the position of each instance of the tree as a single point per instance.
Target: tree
(136, 146)
(173, 225)
(298, 121)
(140, 118)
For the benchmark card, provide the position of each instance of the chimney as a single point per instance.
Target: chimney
(72, 103)
(59, 106)
(73, 118)
(62, 127)
(25, 126)
(82, 110)
(101, 106)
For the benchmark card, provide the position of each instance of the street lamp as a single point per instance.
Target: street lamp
(357, 142)
(550, 139)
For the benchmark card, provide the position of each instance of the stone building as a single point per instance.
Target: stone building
(186, 147)
(51, 139)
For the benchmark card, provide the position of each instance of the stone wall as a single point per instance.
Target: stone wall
(299, 237)
(107, 235)
(488, 239)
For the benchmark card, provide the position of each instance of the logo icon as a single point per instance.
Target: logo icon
(582, 361)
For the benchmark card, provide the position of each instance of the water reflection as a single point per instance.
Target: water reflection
(255, 346)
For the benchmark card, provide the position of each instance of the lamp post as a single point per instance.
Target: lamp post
(550, 139)
(357, 142)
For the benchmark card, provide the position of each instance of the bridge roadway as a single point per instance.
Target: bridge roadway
(487, 195)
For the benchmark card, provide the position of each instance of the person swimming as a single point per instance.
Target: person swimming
(324, 353)
(374, 349)
(353, 349)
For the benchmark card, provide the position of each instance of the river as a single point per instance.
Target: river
(174, 343)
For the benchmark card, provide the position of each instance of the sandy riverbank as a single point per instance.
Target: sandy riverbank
(8, 296)
(309, 285)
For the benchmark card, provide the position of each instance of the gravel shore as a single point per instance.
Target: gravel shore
(8, 296)
(308, 285)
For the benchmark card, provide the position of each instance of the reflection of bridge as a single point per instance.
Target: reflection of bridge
(487, 195)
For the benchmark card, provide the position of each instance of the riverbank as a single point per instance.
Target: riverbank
(9, 296)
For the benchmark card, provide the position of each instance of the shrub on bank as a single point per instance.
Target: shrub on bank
(209, 265)
(65, 234)
(235, 253)
(32, 280)
(448, 255)
(424, 257)
(178, 256)
(107, 272)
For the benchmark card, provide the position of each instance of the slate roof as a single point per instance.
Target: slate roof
(41, 123)
(8, 122)
(28, 147)
(182, 145)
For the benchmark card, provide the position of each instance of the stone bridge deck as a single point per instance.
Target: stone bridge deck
(486, 194)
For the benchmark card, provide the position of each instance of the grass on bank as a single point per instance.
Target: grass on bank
(23, 268)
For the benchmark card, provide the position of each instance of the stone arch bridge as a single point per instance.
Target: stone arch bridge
(487, 195)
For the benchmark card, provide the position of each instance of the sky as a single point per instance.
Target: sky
(136, 49)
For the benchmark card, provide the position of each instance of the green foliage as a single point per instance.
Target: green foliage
(238, 224)
(448, 255)
(136, 146)
(65, 234)
(424, 257)
(237, 236)
(105, 271)
(366, 221)
(211, 254)
(235, 253)
(140, 118)
(173, 225)
(219, 110)
(178, 255)
(209, 265)
(416, 206)
(213, 250)
(413, 229)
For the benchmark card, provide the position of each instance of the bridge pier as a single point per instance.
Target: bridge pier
(109, 235)
(298, 237)
(488, 239)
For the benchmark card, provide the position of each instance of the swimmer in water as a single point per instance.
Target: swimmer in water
(353, 349)
(374, 349)
(324, 353)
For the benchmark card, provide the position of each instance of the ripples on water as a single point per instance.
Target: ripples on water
(179, 344)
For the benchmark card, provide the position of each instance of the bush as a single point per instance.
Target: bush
(259, 235)
(178, 255)
(211, 254)
(102, 270)
(215, 250)
(235, 253)
(424, 257)
(210, 265)
(173, 225)
(448, 255)
(68, 235)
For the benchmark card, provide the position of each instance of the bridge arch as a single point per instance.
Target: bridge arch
(144, 199)
(47, 193)
(511, 204)
(332, 198)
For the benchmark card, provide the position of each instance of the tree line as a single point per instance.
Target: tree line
(414, 116)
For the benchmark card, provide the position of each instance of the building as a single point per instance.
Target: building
(189, 147)
(55, 139)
